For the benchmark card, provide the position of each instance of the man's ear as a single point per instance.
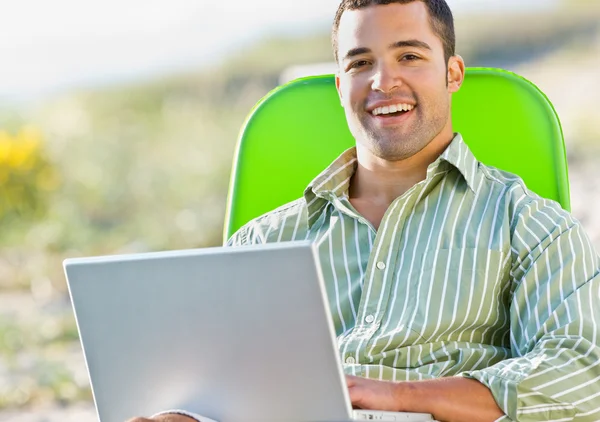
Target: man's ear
(456, 73)
(337, 87)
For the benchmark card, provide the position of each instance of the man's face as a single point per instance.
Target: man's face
(393, 79)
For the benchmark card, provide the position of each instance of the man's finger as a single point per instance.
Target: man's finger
(351, 380)
(356, 396)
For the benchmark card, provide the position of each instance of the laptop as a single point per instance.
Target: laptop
(237, 334)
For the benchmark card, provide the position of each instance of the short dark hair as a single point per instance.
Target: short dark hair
(440, 16)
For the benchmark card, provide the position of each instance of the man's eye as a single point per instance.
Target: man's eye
(359, 63)
(410, 57)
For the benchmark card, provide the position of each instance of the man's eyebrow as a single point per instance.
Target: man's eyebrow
(399, 44)
(356, 52)
(410, 43)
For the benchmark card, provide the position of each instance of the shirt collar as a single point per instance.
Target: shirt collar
(334, 181)
(459, 155)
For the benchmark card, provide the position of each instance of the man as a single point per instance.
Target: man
(454, 290)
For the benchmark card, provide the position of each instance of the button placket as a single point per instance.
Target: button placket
(384, 268)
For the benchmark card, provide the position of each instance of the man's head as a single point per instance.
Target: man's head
(397, 71)
(440, 19)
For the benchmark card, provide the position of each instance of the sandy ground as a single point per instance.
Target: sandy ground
(80, 413)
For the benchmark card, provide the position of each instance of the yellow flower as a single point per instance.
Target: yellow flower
(25, 148)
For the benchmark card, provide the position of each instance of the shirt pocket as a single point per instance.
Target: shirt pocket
(460, 295)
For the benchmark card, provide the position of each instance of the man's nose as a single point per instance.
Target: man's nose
(386, 79)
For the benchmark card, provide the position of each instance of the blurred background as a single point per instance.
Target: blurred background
(118, 121)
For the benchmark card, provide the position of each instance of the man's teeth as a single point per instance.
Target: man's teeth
(392, 109)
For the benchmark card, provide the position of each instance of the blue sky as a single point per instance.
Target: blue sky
(47, 46)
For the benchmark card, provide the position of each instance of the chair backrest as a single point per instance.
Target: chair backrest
(298, 129)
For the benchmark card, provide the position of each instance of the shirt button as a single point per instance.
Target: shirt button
(350, 360)
(381, 265)
(370, 319)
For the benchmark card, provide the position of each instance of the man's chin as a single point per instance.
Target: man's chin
(394, 158)
(392, 155)
(396, 150)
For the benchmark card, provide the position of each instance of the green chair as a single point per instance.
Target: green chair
(298, 129)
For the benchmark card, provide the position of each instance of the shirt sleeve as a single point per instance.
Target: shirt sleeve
(196, 417)
(239, 238)
(554, 372)
(249, 234)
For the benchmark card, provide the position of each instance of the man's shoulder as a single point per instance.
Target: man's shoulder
(285, 211)
(510, 181)
(536, 224)
(520, 201)
(285, 222)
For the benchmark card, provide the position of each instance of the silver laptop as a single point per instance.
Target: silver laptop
(234, 334)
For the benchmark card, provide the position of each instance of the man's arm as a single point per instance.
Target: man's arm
(173, 416)
(554, 372)
(448, 399)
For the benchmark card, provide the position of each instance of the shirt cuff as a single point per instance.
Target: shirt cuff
(194, 416)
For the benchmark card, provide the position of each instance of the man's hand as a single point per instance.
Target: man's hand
(172, 417)
(374, 395)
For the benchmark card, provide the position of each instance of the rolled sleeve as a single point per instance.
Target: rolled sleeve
(554, 372)
(195, 416)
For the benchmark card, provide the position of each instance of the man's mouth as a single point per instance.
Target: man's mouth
(392, 110)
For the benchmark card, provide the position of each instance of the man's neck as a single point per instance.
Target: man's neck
(377, 182)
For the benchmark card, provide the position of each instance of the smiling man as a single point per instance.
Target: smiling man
(454, 290)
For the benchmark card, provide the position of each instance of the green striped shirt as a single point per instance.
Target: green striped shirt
(470, 274)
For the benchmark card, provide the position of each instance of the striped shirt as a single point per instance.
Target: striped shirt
(469, 274)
